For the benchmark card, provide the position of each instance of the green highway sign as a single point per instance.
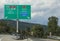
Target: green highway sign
(17, 12)
(10, 12)
(24, 12)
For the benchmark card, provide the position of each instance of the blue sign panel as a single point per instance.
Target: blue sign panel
(24, 13)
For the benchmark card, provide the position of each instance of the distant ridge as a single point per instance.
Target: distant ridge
(22, 25)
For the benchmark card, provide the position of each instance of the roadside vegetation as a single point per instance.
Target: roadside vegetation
(37, 31)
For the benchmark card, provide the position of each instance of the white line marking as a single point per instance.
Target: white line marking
(0, 39)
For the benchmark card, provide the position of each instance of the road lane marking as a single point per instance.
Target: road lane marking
(0, 39)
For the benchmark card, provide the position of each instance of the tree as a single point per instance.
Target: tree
(52, 24)
(3, 27)
(38, 31)
(58, 31)
(28, 31)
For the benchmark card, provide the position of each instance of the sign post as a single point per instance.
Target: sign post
(11, 13)
(17, 12)
(17, 22)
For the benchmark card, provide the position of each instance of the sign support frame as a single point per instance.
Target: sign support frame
(17, 24)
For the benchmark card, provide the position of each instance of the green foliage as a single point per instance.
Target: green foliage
(52, 24)
(37, 31)
(5, 28)
(58, 31)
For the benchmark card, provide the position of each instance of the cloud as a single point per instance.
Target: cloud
(1, 13)
(2, 2)
(41, 9)
(45, 9)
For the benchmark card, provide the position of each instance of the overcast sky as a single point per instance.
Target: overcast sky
(41, 9)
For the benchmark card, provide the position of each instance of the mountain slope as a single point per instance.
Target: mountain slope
(22, 25)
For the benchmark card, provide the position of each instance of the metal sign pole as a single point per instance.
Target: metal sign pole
(17, 26)
(17, 21)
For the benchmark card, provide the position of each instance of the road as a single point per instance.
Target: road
(9, 38)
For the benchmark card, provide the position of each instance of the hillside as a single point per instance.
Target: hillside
(22, 25)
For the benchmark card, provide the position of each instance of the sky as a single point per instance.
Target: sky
(41, 10)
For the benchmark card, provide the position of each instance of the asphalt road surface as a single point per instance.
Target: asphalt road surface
(9, 38)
